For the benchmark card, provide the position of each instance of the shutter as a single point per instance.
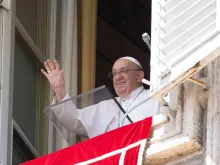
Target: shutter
(185, 38)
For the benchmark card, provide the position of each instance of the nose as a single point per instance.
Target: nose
(118, 76)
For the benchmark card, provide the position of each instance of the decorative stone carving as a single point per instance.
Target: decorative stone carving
(174, 141)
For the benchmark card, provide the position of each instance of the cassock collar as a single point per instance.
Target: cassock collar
(133, 94)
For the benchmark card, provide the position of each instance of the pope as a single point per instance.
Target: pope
(127, 74)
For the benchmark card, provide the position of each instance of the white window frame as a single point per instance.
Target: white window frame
(7, 31)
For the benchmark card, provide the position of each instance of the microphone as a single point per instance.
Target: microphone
(163, 70)
(146, 39)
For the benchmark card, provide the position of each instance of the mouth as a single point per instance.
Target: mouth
(120, 83)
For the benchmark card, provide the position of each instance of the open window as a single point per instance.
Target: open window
(185, 38)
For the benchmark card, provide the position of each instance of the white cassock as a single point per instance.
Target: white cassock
(104, 116)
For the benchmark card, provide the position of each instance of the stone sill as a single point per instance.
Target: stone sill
(172, 150)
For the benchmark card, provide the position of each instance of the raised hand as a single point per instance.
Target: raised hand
(55, 78)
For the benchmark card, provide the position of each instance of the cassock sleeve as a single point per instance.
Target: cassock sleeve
(68, 115)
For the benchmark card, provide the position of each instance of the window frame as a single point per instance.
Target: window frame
(23, 36)
(7, 31)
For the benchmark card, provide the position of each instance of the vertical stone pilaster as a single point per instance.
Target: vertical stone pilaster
(212, 155)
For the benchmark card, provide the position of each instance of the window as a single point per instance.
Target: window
(29, 98)
(185, 37)
(26, 92)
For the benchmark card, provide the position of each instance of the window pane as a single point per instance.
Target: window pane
(25, 92)
(17, 158)
(21, 152)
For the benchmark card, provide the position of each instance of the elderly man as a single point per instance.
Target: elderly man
(127, 75)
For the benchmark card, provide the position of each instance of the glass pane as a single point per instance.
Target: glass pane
(90, 102)
(21, 152)
(25, 92)
(17, 158)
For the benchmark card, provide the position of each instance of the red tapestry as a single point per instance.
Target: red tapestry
(123, 146)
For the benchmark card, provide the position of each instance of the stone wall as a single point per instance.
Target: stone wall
(193, 137)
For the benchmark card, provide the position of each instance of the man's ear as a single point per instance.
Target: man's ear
(140, 76)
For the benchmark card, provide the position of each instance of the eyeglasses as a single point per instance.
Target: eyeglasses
(122, 72)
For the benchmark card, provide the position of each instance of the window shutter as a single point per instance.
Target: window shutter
(185, 38)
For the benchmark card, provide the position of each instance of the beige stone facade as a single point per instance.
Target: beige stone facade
(193, 136)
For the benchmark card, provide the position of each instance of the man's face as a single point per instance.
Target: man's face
(129, 79)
